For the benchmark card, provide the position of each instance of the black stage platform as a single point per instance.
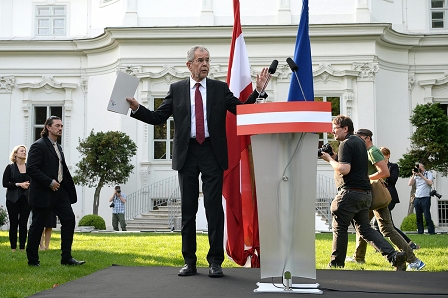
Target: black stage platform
(123, 282)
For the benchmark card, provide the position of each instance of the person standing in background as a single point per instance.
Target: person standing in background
(423, 180)
(16, 181)
(48, 230)
(118, 200)
(51, 189)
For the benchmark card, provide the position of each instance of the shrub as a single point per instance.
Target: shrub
(410, 223)
(3, 216)
(93, 220)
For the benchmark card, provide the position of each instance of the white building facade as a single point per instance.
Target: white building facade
(375, 60)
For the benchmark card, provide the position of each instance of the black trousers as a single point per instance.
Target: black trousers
(61, 206)
(201, 160)
(18, 214)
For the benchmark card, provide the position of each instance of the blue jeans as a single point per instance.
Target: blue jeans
(353, 206)
(422, 207)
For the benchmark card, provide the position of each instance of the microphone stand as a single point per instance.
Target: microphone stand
(300, 85)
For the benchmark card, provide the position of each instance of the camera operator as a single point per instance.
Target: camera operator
(423, 183)
(118, 199)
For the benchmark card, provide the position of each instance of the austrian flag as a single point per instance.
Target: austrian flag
(242, 240)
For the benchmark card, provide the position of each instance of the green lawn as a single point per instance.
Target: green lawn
(101, 250)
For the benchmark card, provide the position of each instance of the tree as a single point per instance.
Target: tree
(429, 143)
(105, 160)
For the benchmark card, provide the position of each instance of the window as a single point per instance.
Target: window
(443, 213)
(439, 10)
(325, 137)
(50, 19)
(163, 137)
(42, 113)
(444, 108)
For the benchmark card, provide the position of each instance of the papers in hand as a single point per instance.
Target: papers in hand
(125, 86)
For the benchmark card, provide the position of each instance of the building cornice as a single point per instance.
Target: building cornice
(116, 36)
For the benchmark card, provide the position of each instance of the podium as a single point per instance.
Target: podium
(284, 147)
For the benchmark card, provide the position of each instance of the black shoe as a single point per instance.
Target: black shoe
(333, 266)
(215, 270)
(187, 270)
(399, 261)
(72, 262)
(34, 264)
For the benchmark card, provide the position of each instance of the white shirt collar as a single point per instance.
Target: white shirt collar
(193, 83)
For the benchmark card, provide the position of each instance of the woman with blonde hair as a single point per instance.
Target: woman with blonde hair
(16, 181)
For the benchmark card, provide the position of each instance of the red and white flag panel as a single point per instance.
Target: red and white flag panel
(239, 186)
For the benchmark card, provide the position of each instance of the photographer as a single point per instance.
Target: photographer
(423, 182)
(118, 199)
(352, 202)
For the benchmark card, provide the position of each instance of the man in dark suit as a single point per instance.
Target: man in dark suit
(199, 107)
(51, 189)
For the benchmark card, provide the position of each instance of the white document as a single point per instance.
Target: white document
(125, 86)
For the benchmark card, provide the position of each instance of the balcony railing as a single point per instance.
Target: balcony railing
(150, 197)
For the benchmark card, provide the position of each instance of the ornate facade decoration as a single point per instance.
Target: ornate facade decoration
(435, 89)
(366, 70)
(130, 70)
(7, 83)
(347, 98)
(48, 85)
(84, 84)
(411, 82)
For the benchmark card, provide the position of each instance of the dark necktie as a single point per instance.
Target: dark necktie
(199, 112)
(60, 169)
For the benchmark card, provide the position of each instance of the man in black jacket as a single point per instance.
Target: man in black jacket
(199, 147)
(51, 189)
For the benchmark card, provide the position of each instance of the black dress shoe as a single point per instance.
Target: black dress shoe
(215, 270)
(72, 262)
(187, 270)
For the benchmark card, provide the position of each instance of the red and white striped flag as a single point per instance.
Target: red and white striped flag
(242, 239)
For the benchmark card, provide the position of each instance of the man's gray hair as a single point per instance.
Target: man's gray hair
(190, 53)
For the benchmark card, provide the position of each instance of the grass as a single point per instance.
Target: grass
(101, 250)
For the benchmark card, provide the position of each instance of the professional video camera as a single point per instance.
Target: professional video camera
(435, 193)
(325, 148)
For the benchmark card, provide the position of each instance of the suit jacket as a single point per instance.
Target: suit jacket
(11, 176)
(42, 167)
(392, 180)
(177, 103)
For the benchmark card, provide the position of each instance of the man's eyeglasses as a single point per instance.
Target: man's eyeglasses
(336, 127)
(200, 61)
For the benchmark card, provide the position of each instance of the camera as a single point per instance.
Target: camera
(118, 191)
(325, 148)
(416, 169)
(112, 205)
(435, 193)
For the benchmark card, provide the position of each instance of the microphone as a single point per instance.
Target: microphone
(292, 64)
(271, 71)
(294, 69)
(273, 66)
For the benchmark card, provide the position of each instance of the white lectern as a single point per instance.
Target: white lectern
(284, 146)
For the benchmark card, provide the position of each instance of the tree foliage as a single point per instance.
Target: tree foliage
(429, 143)
(105, 160)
